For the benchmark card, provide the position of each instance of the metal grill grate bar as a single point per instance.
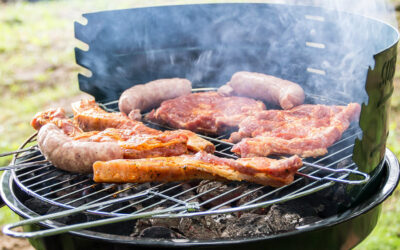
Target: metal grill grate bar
(64, 188)
(111, 195)
(38, 176)
(91, 194)
(142, 200)
(73, 192)
(193, 197)
(55, 184)
(156, 193)
(236, 198)
(32, 159)
(35, 169)
(43, 181)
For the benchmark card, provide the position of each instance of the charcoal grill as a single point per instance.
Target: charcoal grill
(197, 46)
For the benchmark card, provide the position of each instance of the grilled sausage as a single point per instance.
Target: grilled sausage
(268, 88)
(150, 95)
(74, 156)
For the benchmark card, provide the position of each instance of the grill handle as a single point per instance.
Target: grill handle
(24, 163)
(7, 229)
(345, 172)
(164, 213)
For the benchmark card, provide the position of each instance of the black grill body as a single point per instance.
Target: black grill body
(342, 231)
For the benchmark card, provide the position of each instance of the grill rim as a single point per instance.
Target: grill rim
(373, 202)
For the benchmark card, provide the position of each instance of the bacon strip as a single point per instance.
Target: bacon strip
(57, 117)
(263, 171)
(132, 144)
(90, 117)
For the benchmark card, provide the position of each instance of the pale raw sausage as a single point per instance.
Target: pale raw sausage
(264, 87)
(144, 97)
(74, 156)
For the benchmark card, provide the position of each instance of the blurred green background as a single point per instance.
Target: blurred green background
(38, 70)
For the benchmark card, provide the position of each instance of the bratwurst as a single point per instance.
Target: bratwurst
(264, 87)
(74, 156)
(150, 95)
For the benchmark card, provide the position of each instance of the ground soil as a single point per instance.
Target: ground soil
(9, 243)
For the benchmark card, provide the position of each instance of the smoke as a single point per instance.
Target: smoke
(378, 9)
(327, 48)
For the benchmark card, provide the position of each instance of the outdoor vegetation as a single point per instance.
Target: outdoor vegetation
(38, 70)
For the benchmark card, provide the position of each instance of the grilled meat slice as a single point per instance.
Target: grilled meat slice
(133, 145)
(307, 130)
(56, 116)
(90, 117)
(263, 171)
(207, 112)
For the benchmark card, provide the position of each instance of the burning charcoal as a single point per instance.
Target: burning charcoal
(140, 226)
(280, 218)
(242, 201)
(187, 195)
(121, 228)
(215, 188)
(158, 233)
(222, 220)
(343, 163)
(248, 225)
(285, 217)
(71, 219)
(200, 228)
(149, 228)
(309, 219)
(327, 202)
(37, 205)
(298, 206)
(172, 223)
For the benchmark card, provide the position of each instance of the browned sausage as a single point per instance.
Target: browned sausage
(74, 156)
(264, 87)
(150, 95)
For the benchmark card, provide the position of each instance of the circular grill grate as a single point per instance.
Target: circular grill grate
(45, 182)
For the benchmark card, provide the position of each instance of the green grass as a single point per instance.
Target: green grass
(38, 70)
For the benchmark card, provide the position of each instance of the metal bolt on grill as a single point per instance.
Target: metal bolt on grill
(37, 177)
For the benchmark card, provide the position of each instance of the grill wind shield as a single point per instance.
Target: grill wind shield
(208, 43)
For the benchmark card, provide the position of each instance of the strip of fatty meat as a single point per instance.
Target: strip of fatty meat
(91, 117)
(133, 145)
(207, 112)
(258, 170)
(306, 130)
(56, 116)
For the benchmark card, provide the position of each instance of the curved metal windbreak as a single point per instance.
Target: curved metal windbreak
(329, 53)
